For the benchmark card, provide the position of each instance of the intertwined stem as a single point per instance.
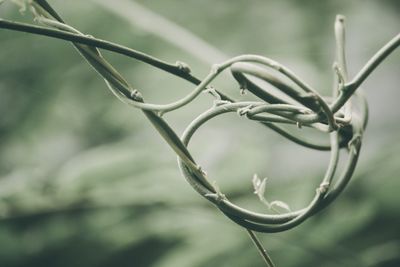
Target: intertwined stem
(301, 106)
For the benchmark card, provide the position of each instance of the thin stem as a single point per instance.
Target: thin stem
(340, 42)
(294, 78)
(249, 219)
(113, 78)
(341, 67)
(299, 140)
(240, 69)
(99, 43)
(374, 62)
(319, 112)
(119, 49)
(263, 252)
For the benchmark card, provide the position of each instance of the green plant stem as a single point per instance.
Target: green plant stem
(173, 69)
(373, 62)
(99, 43)
(340, 43)
(263, 252)
(240, 69)
(319, 112)
(170, 68)
(246, 218)
(121, 88)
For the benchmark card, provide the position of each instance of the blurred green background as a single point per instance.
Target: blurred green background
(86, 181)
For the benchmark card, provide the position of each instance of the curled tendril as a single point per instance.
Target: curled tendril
(301, 106)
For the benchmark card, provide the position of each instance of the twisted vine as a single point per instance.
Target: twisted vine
(343, 115)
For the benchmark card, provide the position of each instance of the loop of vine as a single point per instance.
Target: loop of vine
(343, 115)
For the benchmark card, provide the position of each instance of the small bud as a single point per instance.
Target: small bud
(183, 66)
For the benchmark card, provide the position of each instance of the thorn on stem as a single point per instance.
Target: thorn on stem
(184, 67)
(339, 74)
(136, 95)
(323, 188)
(200, 170)
(218, 103)
(245, 110)
(354, 143)
(210, 89)
(215, 68)
(218, 196)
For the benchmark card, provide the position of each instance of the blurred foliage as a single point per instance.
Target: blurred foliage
(86, 181)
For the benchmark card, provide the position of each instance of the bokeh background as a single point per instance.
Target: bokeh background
(86, 181)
